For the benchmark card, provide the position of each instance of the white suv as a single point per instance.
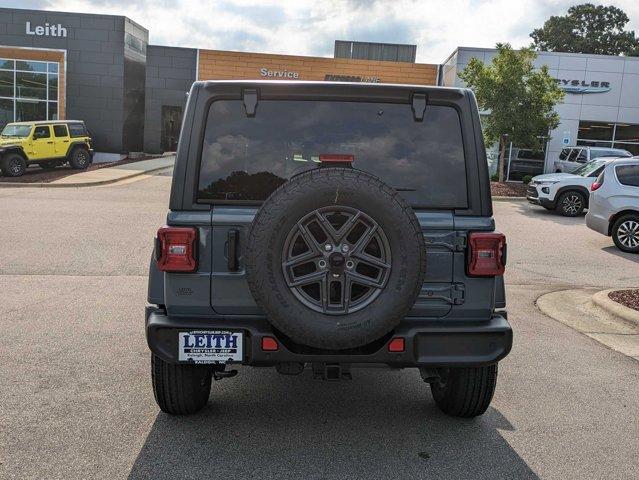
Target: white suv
(572, 158)
(565, 192)
(614, 203)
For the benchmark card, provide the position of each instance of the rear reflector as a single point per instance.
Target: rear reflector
(336, 158)
(396, 345)
(175, 249)
(486, 254)
(269, 344)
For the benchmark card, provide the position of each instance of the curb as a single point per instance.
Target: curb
(509, 199)
(576, 309)
(83, 184)
(603, 301)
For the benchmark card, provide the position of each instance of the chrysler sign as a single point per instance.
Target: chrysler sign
(581, 86)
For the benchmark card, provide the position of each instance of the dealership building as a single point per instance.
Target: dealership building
(601, 103)
(101, 69)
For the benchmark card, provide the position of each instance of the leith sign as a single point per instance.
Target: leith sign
(46, 30)
(581, 86)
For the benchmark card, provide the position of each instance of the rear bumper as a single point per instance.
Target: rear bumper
(597, 222)
(434, 343)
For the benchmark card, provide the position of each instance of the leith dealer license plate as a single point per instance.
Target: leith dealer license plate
(210, 347)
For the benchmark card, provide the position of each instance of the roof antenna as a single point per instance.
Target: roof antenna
(418, 106)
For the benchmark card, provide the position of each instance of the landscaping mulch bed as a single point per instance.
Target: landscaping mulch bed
(35, 174)
(508, 189)
(628, 298)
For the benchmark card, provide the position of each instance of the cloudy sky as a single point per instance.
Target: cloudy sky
(309, 27)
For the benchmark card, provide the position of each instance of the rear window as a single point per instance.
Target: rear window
(244, 159)
(628, 175)
(60, 131)
(77, 130)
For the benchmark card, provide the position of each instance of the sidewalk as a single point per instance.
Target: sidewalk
(581, 309)
(103, 176)
(113, 174)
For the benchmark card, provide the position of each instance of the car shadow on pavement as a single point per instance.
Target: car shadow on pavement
(378, 425)
(615, 251)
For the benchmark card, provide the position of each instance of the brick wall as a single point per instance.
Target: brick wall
(220, 65)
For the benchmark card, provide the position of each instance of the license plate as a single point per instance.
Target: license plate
(210, 346)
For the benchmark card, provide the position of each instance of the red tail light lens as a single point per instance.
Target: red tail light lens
(595, 186)
(486, 254)
(175, 249)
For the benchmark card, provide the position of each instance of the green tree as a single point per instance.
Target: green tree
(520, 99)
(587, 28)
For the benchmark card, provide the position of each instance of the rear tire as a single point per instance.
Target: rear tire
(571, 204)
(180, 389)
(80, 159)
(13, 165)
(465, 391)
(625, 233)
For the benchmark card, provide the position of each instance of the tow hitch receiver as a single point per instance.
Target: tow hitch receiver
(331, 371)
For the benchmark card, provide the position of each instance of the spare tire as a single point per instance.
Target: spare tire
(335, 258)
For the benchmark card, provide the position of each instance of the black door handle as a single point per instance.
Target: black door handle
(49, 142)
(233, 241)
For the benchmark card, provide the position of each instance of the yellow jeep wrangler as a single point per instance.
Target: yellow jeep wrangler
(47, 144)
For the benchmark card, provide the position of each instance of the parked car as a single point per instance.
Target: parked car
(572, 158)
(526, 162)
(614, 204)
(47, 144)
(567, 193)
(324, 225)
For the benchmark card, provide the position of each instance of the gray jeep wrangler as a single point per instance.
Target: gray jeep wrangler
(321, 226)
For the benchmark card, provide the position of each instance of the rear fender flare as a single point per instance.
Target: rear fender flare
(74, 145)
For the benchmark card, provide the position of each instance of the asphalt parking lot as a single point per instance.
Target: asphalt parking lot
(76, 399)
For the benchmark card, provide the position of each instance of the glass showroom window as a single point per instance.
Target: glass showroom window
(28, 90)
(610, 135)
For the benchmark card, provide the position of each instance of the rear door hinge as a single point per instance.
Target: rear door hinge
(453, 241)
(453, 293)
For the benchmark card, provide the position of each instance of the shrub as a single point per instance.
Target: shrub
(526, 179)
(494, 178)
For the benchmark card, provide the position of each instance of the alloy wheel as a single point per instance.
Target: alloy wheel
(628, 234)
(15, 167)
(336, 260)
(572, 204)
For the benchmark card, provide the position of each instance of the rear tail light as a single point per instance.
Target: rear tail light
(595, 185)
(175, 249)
(486, 254)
